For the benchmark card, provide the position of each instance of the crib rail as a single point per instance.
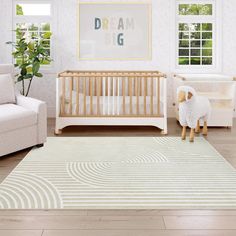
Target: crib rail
(111, 94)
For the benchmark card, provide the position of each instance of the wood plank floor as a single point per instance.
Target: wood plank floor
(122, 222)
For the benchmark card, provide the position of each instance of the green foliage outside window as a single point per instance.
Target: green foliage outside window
(195, 9)
(19, 10)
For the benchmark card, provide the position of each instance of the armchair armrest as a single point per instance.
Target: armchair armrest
(40, 108)
(29, 103)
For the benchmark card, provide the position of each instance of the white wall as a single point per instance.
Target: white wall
(65, 45)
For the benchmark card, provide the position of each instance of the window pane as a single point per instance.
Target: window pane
(207, 35)
(184, 35)
(183, 27)
(46, 44)
(45, 27)
(26, 9)
(195, 35)
(207, 43)
(207, 60)
(34, 35)
(22, 26)
(195, 27)
(205, 9)
(195, 44)
(33, 27)
(183, 61)
(195, 61)
(183, 52)
(195, 9)
(207, 52)
(183, 43)
(188, 9)
(195, 52)
(207, 27)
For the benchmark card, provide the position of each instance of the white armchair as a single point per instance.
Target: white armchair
(23, 120)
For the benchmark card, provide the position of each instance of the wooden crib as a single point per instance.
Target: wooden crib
(111, 98)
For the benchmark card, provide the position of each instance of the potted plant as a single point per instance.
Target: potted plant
(29, 54)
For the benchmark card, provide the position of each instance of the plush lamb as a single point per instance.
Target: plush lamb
(192, 109)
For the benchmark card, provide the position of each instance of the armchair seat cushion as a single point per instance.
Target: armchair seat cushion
(14, 117)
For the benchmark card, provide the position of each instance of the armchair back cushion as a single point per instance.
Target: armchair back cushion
(7, 90)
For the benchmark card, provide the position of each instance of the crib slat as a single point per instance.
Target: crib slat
(70, 100)
(118, 96)
(77, 95)
(63, 96)
(108, 96)
(137, 94)
(113, 96)
(141, 86)
(145, 96)
(101, 87)
(106, 86)
(158, 96)
(103, 94)
(123, 93)
(95, 86)
(151, 89)
(91, 94)
(84, 92)
(130, 96)
(98, 96)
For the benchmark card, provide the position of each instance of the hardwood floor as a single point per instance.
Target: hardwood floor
(121, 222)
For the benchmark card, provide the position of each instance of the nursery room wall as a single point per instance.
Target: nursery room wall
(64, 29)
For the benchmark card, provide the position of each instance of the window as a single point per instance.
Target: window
(195, 24)
(34, 21)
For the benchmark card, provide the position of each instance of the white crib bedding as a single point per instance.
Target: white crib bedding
(112, 105)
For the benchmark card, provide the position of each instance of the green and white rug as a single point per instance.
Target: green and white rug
(121, 173)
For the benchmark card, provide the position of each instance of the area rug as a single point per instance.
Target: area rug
(121, 173)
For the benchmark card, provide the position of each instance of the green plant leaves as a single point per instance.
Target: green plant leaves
(39, 75)
(35, 68)
(28, 76)
(20, 78)
(30, 54)
(31, 45)
(23, 71)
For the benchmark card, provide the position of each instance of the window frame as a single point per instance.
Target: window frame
(215, 19)
(17, 19)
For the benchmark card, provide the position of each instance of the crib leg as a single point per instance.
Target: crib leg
(164, 132)
(58, 131)
(165, 129)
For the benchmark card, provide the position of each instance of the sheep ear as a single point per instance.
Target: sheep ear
(190, 95)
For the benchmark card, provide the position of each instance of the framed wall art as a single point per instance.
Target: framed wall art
(114, 31)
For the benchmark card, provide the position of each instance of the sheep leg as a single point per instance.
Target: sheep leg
(184, 132)
(191, 139)
(204, 130)
(197, 130)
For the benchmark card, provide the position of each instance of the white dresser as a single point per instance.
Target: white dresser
(220, 90)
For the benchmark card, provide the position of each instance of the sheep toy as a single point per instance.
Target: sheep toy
(192, 109)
